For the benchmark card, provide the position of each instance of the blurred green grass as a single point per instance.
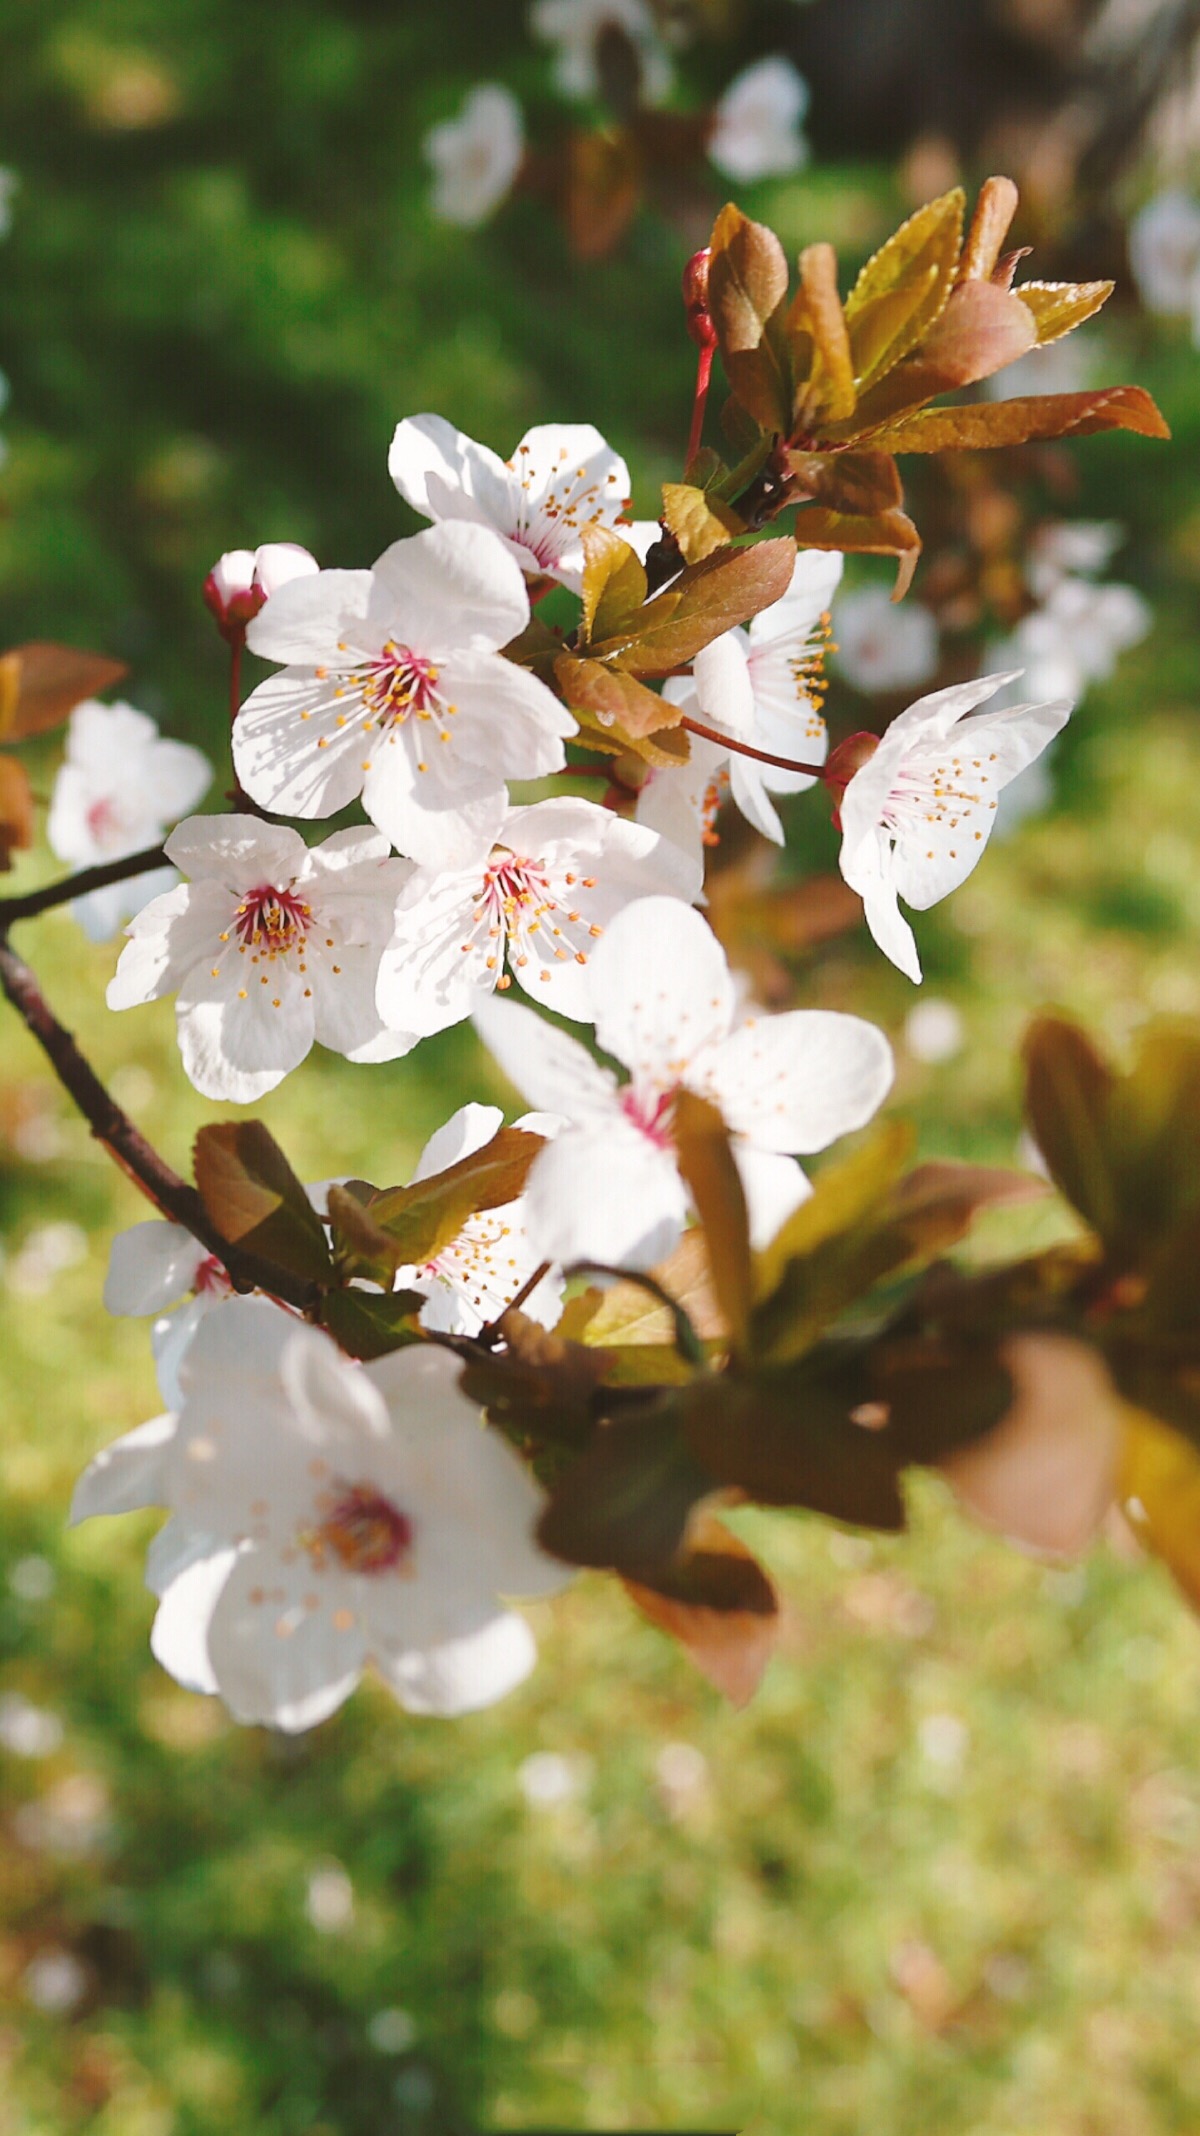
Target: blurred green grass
(943, 1873)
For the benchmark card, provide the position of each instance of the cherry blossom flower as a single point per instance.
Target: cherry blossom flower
(1076, 637)
(917, 814)
(756, 130)
(476, 156)
(1164, 253)
(159, 1268)
(325, 1516)
(395, 689)
(574, 28)
(270, 946)
(761, 686)
(1068, 548)
(118, 788)
(608, 1187)
(243, 580)
(561, 478)
(473, 1279)
(532, 910)
(884, 644)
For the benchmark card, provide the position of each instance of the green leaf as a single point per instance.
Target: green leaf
(889, 533)
(854, 484)
(1059, 307)
(717, 1601)
(904, 286)
(612, 700)
(625, 1505)
(1014, 422)
(370, 1324)
(816, 331)
(747, 289)
(423, 1219)
(706, 600)
(1068, 1091)
(706, 1162)
(627, 1313)
(541, 1385)
(700, 523)
(1159, 1486)
(255, 1199)
(18, 816)
(790, 1439)
(614, 582)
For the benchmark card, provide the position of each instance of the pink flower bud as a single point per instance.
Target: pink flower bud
(242, 580)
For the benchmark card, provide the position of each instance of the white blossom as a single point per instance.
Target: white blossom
(1164, 253)
(243, 580)
(533, 910)
(916, 816)
(1070, 548)
(325, 1516)
(1076, 637)
(269, 947)
(608, 1186)
(756, 131)
(476, 156)
(120, 785)
(561, 478)
(473, 1279)
(760, 686)
(884, 644)
(394, 688)
(574, 28)
(158, 1268)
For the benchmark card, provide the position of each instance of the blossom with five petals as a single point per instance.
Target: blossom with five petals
(761, 686)
(394, 688)
(325, 1516)
(119, 786)
(271, 946)
(756, 126)
(608, 1188)
(476, 155)
(562, 478)
(532, 910)
(917, 813)
(473, 1279)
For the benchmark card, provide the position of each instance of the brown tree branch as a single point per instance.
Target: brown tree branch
(28, 907)
(126, 1144)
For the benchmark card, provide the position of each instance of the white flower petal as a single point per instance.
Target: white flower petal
(179, 1635)
(465, 1131)
(302, 623)
(451, 587)
(661, 990)
(444, 474)
(797, 1081)
(461, 1675)
(150, 1266)
(170, 1340)
(547, 1067)
(275, 1661)
(299, 745)
(238, 851)
(129, 1474)
(605, 1193)
(774, 1187)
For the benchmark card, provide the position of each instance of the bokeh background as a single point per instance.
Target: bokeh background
(945, 1872)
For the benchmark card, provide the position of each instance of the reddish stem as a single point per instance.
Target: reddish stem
(761, 756)
(699, 404)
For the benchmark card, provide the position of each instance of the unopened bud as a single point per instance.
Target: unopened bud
(695, 300)
(845, 760)
(242, 580)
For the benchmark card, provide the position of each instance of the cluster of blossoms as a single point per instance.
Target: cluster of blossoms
(753, 131)
(330, 1513)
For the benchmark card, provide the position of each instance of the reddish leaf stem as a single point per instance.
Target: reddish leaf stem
(761, 756)
(700, 402)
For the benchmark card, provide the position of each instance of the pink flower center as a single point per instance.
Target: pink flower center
(521, 913)
(212, 1279)
(272, 920)
(397, 683)
(364, 1530)
(652, 1113)
(103, 819)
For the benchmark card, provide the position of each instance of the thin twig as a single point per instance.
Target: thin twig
(170, 1194)
(28, 907)
(761, 756)
(487, 1335)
